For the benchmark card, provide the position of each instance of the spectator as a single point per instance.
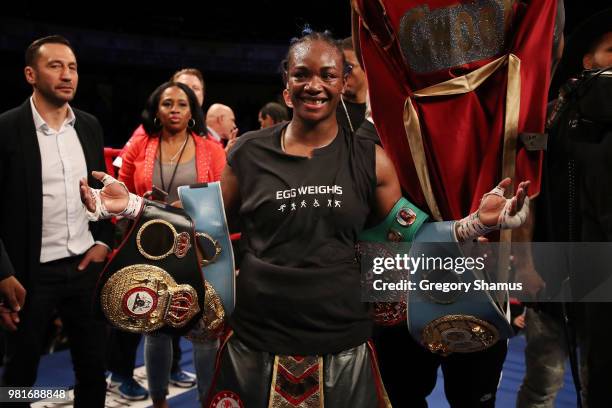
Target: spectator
(352, 107)
(192, 77)
(53, 251)
(171, 153)
(271, 114)
(221, 124)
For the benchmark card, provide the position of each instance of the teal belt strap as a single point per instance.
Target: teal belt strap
(401, 225)
(204, 204)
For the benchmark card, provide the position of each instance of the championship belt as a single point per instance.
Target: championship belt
(153, 281)
(442, 322)
(204, 204)
(452, 322)
(400, 225)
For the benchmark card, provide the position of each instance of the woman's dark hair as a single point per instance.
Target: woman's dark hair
(276, 111)
(308, 35)
(150, 111)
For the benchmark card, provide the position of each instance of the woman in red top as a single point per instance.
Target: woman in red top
(170, 154)
(172, 121)
(192, 77)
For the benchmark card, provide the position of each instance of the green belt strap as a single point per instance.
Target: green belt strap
(413, 217)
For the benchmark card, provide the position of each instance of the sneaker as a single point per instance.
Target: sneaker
(182, 379)
(128, 388)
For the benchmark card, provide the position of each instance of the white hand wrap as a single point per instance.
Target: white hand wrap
(133, 208)
(472, 227)
(131, 211)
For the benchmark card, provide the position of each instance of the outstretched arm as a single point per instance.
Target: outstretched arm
(495, 211)
(114, 199)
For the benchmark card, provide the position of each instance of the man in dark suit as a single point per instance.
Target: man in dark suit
(51, 249)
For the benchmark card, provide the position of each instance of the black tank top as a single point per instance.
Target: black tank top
(298, 291)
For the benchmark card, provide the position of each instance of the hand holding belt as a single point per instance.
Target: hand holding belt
(462, 323)
(153, 281)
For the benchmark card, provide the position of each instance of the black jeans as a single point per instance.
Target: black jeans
(177, 354)
(63, 288)
(122, 352)
(599, 355)
(409, 371)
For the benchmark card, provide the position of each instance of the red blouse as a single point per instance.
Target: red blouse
(139, 158)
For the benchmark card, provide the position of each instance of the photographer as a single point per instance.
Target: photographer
(591, 140)
(575, 183)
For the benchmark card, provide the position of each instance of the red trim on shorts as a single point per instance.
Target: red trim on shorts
(376, 373)
(213, 384)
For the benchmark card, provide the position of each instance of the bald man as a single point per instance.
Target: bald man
(221, 124)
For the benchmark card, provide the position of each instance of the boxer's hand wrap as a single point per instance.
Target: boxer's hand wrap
(131, 211)
(472, 227)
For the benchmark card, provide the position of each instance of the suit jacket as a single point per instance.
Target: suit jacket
(21, 187)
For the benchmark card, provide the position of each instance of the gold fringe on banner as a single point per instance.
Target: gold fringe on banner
(457, 86)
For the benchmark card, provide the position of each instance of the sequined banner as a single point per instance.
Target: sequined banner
(445, 37)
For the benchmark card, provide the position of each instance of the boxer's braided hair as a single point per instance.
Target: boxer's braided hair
(309, 35)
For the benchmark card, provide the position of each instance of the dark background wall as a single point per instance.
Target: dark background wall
(126, 49)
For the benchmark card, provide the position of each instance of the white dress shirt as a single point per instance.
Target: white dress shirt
(214, 134)
(65, 228)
